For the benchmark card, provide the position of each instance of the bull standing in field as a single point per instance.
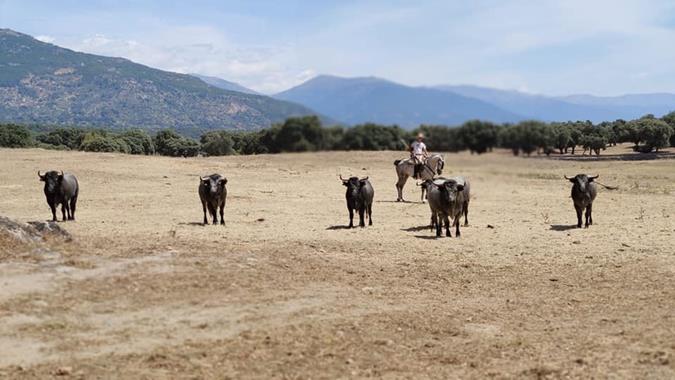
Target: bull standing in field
(61, 189)
(448, 200)
(359, 197)
(213, 194)
(584, 192)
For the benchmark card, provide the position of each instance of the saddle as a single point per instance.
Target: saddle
(419, 167)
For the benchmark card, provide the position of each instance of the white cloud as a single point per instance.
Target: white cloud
(549, 46)
(203, 50)
(47, 39)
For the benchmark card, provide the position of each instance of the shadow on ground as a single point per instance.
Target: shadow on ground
(404, 201)
(338, 227)
(417, 228)
(563, 227)
(428, 237)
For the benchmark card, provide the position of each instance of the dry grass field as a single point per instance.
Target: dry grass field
(285, 291)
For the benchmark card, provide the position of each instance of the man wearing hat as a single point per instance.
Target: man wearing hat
(418, 153)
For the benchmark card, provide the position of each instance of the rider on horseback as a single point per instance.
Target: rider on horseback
(419, 154)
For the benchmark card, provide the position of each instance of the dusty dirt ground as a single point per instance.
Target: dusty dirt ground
(285, 291)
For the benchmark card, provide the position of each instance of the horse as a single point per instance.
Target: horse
(406, 168)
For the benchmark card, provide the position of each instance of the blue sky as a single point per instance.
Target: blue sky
(551, 47)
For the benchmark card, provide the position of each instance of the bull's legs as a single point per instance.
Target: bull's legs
(351, 218)
(370, 214)
(214, 213)
(433, 221)
(457, 233)
(73, 203)
(53, 207)
(466, 214)
(66, 203)
(589, 218)
(206, 221)
(439, 224)
(446, 220)
(63, 210)
(579, 211)
(362, 211)
(222, 211)
(590, 214)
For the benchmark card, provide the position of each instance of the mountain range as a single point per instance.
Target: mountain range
(571, 107)
(370, 99)
(225, 84)
(41, 83)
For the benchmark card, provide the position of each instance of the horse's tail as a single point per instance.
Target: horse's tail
(397, 162)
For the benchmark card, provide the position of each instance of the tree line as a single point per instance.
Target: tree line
(306, 134)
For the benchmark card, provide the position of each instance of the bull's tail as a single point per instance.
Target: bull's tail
(397, 162)
(608, 187)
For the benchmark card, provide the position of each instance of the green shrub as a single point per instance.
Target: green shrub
(15, 136)
(100, 141)
(217, 143)
(169, 143)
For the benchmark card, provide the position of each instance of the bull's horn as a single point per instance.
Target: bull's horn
(39, 175)
(341, 179)
(203, 178)
(60, 173)
(364, 178)
(594, 177)
(566, 177)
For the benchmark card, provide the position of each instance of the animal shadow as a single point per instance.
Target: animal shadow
(338, 227)
(417, 228)
(402, 202)
(427, 237)
(563, 227)
(191, 224)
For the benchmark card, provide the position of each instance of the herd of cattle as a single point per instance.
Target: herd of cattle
(448, 198)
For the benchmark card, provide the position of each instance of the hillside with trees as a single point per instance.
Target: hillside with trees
(41, 83)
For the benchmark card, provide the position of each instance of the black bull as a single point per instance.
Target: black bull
(213, 194)
(359, 195)
(61, 189)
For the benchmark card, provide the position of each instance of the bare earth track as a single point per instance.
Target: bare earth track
(284, 291)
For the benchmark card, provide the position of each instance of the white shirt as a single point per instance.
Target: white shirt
(418, 148)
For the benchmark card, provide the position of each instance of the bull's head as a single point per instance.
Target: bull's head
(581, 181)
(353, 184)
(52, 180)
(451, 189)
(213, 185)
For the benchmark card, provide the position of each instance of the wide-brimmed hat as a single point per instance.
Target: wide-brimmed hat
(420, 135)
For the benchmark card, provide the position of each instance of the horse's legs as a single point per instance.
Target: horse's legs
(399, 186)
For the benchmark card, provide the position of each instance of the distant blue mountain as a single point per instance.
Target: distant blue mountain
(572, 107)
(225, 84)
(654, 103)
(370, 99)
